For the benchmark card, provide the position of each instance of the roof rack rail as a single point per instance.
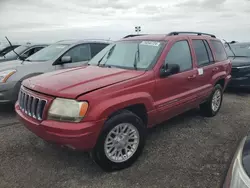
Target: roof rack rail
(189, 32)
(133, 35)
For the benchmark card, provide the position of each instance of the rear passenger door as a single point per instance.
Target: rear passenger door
(205, 64)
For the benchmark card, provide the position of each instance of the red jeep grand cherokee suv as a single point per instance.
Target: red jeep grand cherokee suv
(132, 84)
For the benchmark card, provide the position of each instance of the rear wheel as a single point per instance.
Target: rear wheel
(212, 106)
(121, 142)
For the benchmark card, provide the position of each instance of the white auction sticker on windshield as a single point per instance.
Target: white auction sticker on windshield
(150, 43)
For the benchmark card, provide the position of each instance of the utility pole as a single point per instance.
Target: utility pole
(138, 29)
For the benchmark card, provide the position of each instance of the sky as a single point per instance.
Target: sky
(53, 20)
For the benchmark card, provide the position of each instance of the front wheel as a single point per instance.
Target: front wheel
(212, 106)
(121, 142)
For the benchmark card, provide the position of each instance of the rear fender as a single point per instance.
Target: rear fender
(218, 76)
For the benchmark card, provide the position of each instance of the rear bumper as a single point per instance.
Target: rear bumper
(79, 136)
(9, 92)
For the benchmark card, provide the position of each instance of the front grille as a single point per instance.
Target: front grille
(31, 105)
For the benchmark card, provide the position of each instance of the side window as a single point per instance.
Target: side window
(209, 51)
(37, 49)
(79, 53)
(180, 54)
(96, 48)
(200, 52)
(29, 52)
(220, 53)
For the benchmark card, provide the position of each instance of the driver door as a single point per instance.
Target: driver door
(176, 93)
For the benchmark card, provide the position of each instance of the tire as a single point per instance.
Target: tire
(207, 108)
(100, 153)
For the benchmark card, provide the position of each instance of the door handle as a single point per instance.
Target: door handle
(192, 77)
(215, 69)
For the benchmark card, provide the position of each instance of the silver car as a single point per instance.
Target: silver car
(24, 51)
(61, 55)
(238, 175)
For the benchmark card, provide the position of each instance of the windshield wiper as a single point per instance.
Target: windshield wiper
(229, 47)
(13, 49)
(137, 56)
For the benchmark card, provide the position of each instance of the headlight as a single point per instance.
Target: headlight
(237, 177)
(4, 75)
(67, 110)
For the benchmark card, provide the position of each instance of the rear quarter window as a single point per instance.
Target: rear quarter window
(219, 50)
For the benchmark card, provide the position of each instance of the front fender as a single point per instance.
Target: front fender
(107, 107)
(30, 75)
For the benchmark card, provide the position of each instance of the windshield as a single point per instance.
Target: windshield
(240, 50)
(19, 50)
(48, 53)
(128, 54)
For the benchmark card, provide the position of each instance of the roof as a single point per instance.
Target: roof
(162, 37)
(74, 41)
(31, 45)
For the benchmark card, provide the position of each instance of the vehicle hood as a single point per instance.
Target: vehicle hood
(13, 64)
(3, 59)
(240, 61)
(9, 64)
(71, 83)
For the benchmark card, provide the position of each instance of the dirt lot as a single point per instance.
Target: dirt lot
(187, 151)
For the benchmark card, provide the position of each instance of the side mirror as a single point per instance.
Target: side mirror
(65, 59)
(23, 57)
(169, 69)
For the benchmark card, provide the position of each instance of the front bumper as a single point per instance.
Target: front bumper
(240, 82)
(240, 78)
(9, 92)
(79, 136)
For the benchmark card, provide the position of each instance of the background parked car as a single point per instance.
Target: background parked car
(240, 57)
(239, 170)
(61, 55)
(23, 51)
(6, 49)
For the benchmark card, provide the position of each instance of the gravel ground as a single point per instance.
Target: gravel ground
(187, 151)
